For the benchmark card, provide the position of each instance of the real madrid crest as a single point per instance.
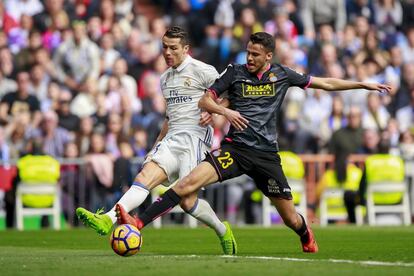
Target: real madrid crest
(272, 77)
(187, 82)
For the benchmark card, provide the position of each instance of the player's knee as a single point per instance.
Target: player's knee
(188, 203)
(186, 186)
(141, 178)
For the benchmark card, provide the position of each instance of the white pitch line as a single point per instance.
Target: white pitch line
(367, 263)
(370, 263)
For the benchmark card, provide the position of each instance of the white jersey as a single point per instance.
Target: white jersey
(182, 88)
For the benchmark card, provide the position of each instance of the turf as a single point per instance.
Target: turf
(183, 251)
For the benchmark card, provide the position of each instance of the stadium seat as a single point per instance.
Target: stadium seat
(331, 204)
(156, 193)
(294, 171)
(38, 192)
(387, 191)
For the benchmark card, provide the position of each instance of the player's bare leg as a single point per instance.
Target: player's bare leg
(296, 222)
(201, 176)
(149, 177)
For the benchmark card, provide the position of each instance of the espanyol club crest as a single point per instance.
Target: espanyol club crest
(272, 77)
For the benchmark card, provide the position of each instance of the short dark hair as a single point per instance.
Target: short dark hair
(264, 39)
(178, 32)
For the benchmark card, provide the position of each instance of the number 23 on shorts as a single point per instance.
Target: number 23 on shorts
(225, 160)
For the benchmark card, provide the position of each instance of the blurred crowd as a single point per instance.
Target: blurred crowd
(80, 78)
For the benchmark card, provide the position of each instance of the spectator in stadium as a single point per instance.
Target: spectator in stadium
(39, 82)
(245, 150)
(408, 46)
(362, 27)
(70, 184)
(67, 120)
(376, 115)
(326, 36)
(25, 58)
(335, 121)
(43, 20)
(308, 136)
(94, 29)
(139, 142)
(100, 172)
(107, 15)
(77, 59)
(119, 70)
(345, 141)
(402, 96)
(52, 99)
(392, 72)
(166, 161)
(108, 54)
(7, 22)
(19, 36)
(19, 101)
(6, 85)
(360, 8)
(18, 8)
(281, 24)
(116, 134)
(328, 57)
(6, 63)
(85, 102)
(372, 144)
(407, 144)
(372, 50)
(117, 100)
(54, 36)
(405, 115)
(388, 18)
(408, 14)
(83, 136)
(51, 136)
(43, 58)
(244, 27)
(316, 13)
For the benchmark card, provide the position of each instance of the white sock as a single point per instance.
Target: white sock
(133, 198)
(204, 213)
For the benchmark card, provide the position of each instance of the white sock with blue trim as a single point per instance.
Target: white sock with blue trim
(133, 198)
(204, 213)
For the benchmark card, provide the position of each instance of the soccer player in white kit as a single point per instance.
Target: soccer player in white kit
(181, 144)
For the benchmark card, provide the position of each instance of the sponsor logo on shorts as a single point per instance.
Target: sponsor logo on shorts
(272, 186)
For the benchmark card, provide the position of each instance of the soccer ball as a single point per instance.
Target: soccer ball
(126, 240)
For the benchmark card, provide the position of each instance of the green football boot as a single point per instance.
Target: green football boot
(100, 222)
(228, 242)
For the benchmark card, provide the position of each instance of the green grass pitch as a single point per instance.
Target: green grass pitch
(172, 251)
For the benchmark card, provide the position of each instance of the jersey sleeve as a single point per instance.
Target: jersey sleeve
(225, 80)
(298, 79)
(209, 76)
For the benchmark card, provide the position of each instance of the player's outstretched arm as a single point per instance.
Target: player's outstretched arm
(206, 118)
(333, 84)
(208, 103)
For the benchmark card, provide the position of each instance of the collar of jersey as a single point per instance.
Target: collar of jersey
(185, 62)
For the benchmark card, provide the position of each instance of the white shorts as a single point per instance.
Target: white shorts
(178, 154)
